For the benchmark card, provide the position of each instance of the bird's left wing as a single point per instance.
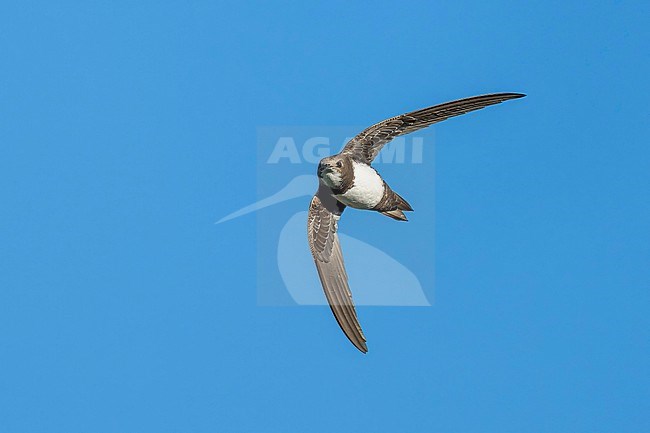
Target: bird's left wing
(367, 144)
(324, 213)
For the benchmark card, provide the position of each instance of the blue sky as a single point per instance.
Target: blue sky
(127, 129)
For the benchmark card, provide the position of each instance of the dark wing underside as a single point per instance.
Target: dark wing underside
(368, 143)
(324, 213)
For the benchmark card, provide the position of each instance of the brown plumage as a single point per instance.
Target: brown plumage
(338, 184)
(392, 205)
(324, 213)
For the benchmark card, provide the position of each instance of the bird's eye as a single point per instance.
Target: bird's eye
(339, 164)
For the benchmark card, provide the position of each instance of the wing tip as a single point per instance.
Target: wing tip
(362, 346)
(515, 95)
(502, 96)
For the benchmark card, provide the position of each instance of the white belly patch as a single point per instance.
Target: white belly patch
(367, 191)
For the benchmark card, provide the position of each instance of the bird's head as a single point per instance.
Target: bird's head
(330, 170)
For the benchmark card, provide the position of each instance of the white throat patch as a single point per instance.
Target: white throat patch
(332, 179)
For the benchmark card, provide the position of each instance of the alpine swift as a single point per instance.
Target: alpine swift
(348, 179)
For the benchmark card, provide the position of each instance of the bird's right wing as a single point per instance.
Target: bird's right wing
(324, 213)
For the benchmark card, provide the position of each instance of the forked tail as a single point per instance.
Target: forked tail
(392, 205)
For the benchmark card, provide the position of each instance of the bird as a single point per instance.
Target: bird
(348, 179)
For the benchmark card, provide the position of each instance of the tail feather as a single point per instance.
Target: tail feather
(401, 203)
(392, 205)
(396, 214)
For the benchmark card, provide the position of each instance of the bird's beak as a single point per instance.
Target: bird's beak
(324, 168)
